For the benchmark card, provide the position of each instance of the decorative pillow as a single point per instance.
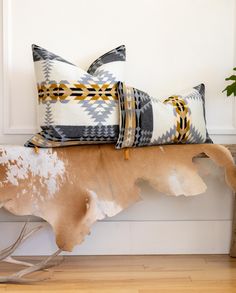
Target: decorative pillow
(75, 106)
(148, 121)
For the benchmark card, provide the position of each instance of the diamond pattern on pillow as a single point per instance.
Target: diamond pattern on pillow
(75, 106)
(146, 121)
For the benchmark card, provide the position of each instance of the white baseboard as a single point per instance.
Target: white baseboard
(131, 237)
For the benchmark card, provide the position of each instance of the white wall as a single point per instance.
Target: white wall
(171, 45)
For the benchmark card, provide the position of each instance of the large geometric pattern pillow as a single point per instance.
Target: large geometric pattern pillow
(75, 106)
(148, 121)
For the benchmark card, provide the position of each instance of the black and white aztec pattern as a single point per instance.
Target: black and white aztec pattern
(146, 121)
(77, 107)
(40, 53)
(117, 54)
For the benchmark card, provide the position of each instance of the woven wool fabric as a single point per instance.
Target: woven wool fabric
(149, 121)
(75, 106)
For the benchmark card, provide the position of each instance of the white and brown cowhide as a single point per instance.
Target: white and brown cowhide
(73, 187)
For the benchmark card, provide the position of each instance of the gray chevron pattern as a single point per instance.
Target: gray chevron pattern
(165, 138)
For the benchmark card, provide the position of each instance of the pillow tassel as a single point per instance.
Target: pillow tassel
(126, 154)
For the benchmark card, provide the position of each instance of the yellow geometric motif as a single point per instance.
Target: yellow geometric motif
(183, 120)
(76, 92)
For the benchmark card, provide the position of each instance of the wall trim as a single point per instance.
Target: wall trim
(7, 65)
(124, 238)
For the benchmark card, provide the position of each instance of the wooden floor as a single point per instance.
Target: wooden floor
(134, 274)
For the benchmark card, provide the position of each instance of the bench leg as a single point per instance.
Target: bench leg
(233, 237)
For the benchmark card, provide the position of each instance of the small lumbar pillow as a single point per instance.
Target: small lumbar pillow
(148, 121)
(75, 106)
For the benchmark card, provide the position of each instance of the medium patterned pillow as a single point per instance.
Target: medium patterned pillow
(75, 106)
(148, 121)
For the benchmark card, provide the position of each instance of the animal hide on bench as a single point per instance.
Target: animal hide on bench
(73, 187)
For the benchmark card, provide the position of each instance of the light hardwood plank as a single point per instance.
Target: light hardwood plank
(134, 274)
